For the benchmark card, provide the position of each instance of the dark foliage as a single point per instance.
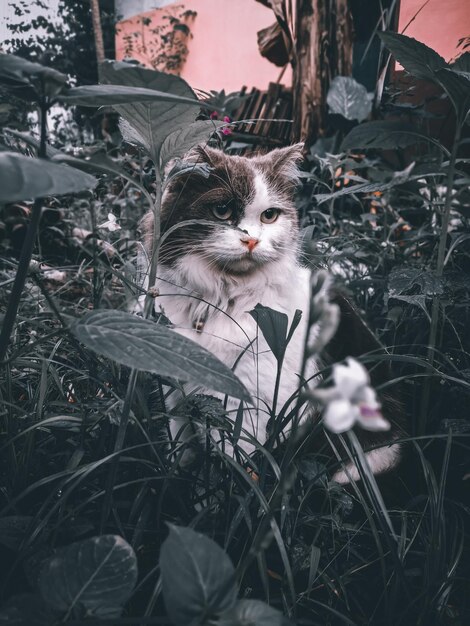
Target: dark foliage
(100, 520)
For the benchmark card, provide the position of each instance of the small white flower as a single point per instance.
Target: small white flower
(111, 224)
(351, 400)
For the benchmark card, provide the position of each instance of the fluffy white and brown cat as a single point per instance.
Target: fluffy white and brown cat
(242, 250)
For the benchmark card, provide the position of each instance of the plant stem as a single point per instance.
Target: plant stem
(129, 398)
(149, 299)
(441, 254)
(26, 250)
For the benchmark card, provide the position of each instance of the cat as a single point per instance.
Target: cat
(243, 250)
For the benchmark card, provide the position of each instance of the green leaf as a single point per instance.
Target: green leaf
(381, 135)
(149, 347)
(462, 63)
(98, 164)
(32, 141)
(416, 58)
(252, 613)
(198, 578)
(17, 71)
(182, 140)
(24, 178)
(153, 121)
(349, 98)
(457, 87)
(273, 325)
(406, 279)
(111, 95)
(398, 179)
(403, 279)
(97, 574)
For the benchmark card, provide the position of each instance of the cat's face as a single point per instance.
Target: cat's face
(244, 211)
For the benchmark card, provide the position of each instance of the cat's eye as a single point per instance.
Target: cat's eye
(270, 215)
(222, 212)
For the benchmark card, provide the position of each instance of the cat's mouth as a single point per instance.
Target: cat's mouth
(245, 263)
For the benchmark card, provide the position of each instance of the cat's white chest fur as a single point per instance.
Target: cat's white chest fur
(215, 314)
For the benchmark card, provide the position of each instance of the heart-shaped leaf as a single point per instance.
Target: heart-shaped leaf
(97, 574)
(349, 98)
(182, 140)
(24, 178)
(198, 578)
(153, 121)
(146, 346)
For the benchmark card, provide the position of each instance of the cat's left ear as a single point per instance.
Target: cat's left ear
(284, 161)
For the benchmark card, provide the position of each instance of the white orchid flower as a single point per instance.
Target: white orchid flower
(111, 224)
(351, 400)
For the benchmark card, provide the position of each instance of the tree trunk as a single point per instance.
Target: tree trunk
(98, 33)
(322, 50)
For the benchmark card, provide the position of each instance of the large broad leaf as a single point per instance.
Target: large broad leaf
(27, 609)
(25, 178)
(152, 121)
(182, 140)
(273, 325)
(381, 135)
(253, 613)
(17, 71)
(349, 98)
(198, 578)
(416, 58)
(109, 95)
(97, 574)
(150, 347)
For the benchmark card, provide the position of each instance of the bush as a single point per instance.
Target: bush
(91, 482)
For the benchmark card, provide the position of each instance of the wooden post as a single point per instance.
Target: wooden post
(322, 49)
(97, 31)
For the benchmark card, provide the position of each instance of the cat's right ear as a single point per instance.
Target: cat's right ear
(202, 154)
(284, 161)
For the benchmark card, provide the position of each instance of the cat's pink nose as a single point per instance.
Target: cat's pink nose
(250, 243)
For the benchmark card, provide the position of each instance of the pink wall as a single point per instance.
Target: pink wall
(223, 50)
(440, 24)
